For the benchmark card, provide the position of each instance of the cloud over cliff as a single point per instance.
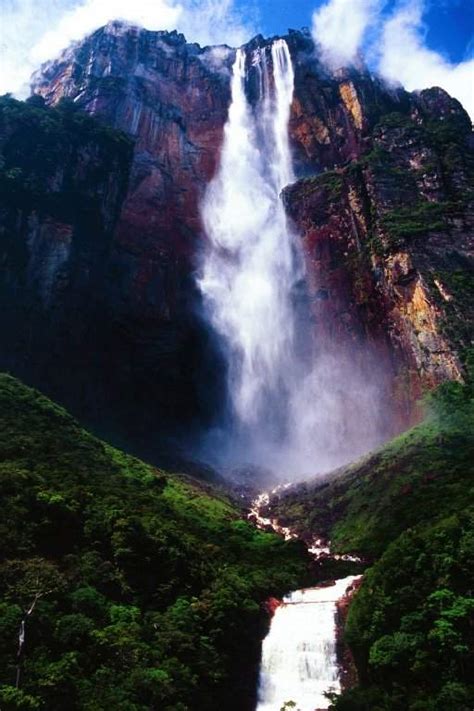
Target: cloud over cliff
(404, 57)
(340, 26)
(30, 37)
(395, 45)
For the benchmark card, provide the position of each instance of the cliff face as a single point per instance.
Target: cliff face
(62, 178)
(382, 229)
(388, 240)
(171, 98)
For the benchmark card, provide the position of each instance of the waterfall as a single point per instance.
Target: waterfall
(251, 267)
(299, 661)
(285, 412)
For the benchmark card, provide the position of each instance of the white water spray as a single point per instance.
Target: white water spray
(286, 413)
(250, 268)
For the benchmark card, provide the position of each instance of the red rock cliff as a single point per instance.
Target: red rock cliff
(382, 206)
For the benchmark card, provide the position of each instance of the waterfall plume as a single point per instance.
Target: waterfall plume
(250, 269)
(286, 408)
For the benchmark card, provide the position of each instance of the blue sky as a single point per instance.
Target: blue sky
(449, 23)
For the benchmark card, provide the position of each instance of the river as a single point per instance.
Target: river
(299, 662)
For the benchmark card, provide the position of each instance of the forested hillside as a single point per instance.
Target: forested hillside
(139, 589)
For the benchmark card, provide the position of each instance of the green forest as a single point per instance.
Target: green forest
(146, 590)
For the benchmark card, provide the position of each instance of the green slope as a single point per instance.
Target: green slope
(423, 474)
(150, 586)
(409, 510)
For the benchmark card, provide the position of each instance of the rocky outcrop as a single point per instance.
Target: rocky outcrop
(388, 242)
(133, 311)
(172, 98)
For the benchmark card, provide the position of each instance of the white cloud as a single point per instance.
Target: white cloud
(405, 58)
(214, 22)
(395, 47)
(339, 28)
(91, 14)
(21, 25)
(33, 32)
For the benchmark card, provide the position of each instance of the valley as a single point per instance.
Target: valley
(236, 382)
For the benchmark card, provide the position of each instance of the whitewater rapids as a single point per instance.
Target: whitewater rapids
(299, 661)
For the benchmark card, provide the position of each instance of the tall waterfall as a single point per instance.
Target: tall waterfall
(251, 268)
(299, 660)
(285, 412)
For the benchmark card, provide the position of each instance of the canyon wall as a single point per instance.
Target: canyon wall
(388, 239)
(63, 179)
(382, 204)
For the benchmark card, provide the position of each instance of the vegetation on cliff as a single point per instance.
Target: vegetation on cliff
(145, 589)
(57, 160)
(408, 509)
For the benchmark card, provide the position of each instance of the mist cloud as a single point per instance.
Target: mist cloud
(340, 26)
(405, 58)
(395, 45)
(217, 22)
(32, 35)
